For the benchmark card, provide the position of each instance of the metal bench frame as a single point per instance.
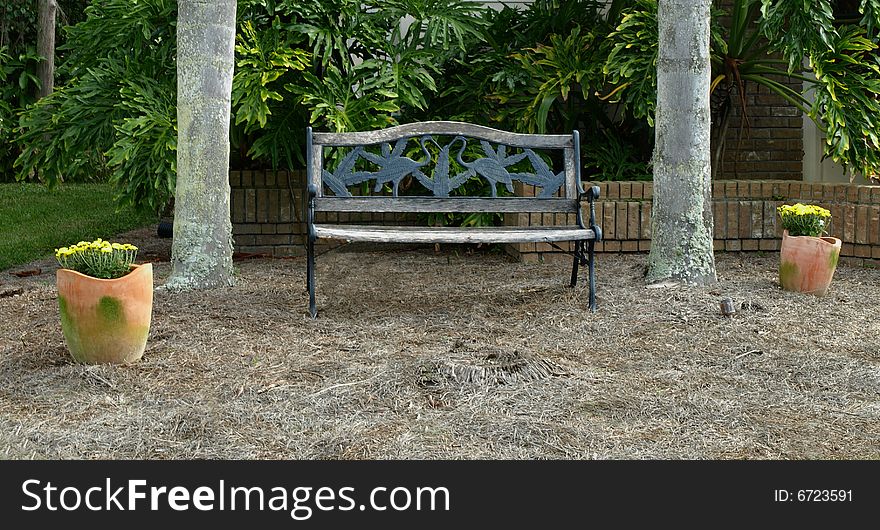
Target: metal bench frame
(560, 192)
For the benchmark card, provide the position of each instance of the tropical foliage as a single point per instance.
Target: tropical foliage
(768, 42)
(340, 65)
(344, 65)
(337, 64)
(115, 117)
(539, 69)
(18, 64)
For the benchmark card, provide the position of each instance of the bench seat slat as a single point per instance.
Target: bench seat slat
(443, 204)
(434, 234)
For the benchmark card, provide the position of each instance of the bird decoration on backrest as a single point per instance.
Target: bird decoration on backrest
(493, 167)
(345, 175)
(543, 177)
(393, 167)
(439, 183)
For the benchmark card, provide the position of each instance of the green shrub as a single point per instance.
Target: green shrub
(115, 119)
(747, 45)
(336, 64)
(540, 69)
(19, 85)
(613, 158)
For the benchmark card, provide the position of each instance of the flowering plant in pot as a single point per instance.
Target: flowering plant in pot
(807, 258)
(105, 301)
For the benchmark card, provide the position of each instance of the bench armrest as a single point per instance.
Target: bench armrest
(312, 193)
(591, 195)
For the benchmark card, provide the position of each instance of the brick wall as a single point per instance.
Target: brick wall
(744, 213)
(770, 146)
(268, 214)
(267, 211)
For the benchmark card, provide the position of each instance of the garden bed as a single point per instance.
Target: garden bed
(454, 354)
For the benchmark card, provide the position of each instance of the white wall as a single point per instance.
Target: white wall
(816, 169)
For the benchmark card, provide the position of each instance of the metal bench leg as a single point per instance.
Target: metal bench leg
(590, 244)
(310, 277)
(578, 252)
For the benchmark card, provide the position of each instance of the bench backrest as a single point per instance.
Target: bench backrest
(441, 156)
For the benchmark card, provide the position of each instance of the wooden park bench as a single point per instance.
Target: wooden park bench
(363, 172)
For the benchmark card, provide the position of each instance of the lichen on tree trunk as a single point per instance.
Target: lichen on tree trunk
(201, 251)
(681, 244)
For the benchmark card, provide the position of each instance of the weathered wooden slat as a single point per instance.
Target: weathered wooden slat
(571, 185)
(422, 234)
(453, 128)
(438, 204)
(316, 168)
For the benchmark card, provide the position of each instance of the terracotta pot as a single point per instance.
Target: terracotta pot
(106, 321)
(807, 264)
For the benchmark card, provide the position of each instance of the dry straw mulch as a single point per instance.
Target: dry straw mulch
(418, 354)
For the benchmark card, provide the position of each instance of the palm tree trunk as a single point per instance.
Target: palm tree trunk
(681, 245)
(46, 46)
(201, 251)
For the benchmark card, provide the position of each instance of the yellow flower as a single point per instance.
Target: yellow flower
(98, 258)
(804, 219)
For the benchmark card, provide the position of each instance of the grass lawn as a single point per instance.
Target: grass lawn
(35, 220)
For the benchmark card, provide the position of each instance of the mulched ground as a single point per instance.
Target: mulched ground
(456, 354)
